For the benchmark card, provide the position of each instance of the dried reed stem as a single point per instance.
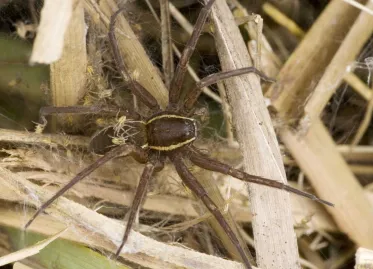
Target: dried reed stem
(275, 242)
(100, 231)
(134, 55)
(359, 33)
(306, 62)
(68, 74)
(317, 156)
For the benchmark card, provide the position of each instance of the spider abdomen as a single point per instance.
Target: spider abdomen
(167, 132)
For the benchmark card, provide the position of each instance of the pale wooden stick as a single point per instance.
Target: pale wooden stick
(361, 30)
(332, 179)
(102, 230)
(282, 19)
(293, 81)
(68, 74)
(52, 140)
(364, 124)
(167, 56)
(49, 41)
(359, 86)
(275, 242)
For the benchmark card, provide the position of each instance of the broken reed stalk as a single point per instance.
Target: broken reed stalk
(68, 74)
(312, 146)
(100, 231)
(50, 140)
(133, 54)
(346, 54)
(287, 95)
(167, 56)
(40, 165)
(275, 241)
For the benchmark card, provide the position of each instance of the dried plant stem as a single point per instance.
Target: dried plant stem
(364, 124)
(179, 17)
(98, 187)
(359, 33)
(318, 157)
(227, 115)
(189, 28)
(275, 242)
(282, 19)
(269, 61)
(134, 55)
(101, 231)
(68, 74)
(168, 63)
(49, 42)
(358, 85)
(293, 81)
(13, 136)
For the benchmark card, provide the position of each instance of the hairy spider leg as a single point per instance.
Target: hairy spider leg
(192, 183)
(207, 163)
(123, 149)
(136, 88)
(51, 110)
(137, 201)
(193, 94)
(177, 80)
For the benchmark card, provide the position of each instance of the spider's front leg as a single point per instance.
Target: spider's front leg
(81, 110)
(120, 150)
(193, 94)
(192, 183)
(177, 80)
(136, 88)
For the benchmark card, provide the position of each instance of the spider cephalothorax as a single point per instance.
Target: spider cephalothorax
(169, 133)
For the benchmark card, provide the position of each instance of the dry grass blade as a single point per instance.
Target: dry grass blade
(104, 230)
(29, 251)
(273, 225)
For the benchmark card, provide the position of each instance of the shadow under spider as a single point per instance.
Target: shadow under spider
(169, 134)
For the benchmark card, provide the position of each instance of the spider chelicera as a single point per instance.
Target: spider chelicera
(166, 134)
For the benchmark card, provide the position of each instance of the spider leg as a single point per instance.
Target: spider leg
(207, 163)
(136, 88)
(123, 149)
(192, 183)
(51, 110)
(137, 201)
(193, 95)
(181, 68)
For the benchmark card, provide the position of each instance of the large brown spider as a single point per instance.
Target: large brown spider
(168, 133)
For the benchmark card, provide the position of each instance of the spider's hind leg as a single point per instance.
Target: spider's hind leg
(192, 183)
(207, 163)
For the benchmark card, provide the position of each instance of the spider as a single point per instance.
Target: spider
(168, 133)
